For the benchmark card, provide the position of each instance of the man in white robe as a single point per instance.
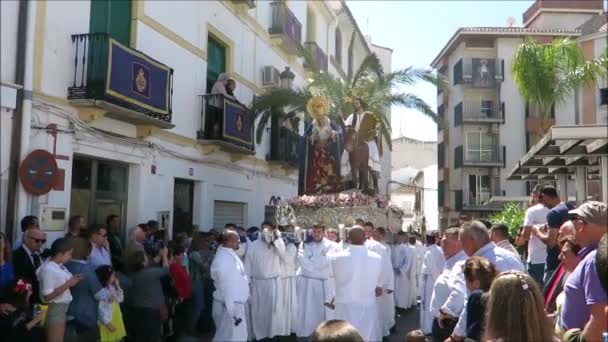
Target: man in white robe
(447, 301)
(386, 272)
(358, 279)
(431, 268)
(231, 291)
(289, 281)
(404, 262)
(315, 284)
(263, 264)
(420, 253)
(387, 300)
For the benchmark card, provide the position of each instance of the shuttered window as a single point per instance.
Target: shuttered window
(216, 61)
(112, 17)
(228, 212)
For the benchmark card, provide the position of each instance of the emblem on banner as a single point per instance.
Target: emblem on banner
(141, 80)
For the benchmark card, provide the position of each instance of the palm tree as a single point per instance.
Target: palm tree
(369, 81)
(547, 74)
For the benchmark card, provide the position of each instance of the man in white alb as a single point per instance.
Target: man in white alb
(231, 291)
(357, 274)
(314, 285)
(431, 268)
(536, 215)
(263, 263)
(386, 303)
(420, 253)
(404, 260)
(289, 283)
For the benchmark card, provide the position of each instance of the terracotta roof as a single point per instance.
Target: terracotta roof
(595, 24)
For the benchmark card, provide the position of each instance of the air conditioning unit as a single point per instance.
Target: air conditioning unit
(270, 76)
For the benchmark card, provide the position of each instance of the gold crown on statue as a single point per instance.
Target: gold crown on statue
(317, 106)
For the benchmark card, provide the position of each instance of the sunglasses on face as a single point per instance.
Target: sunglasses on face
(39, 240)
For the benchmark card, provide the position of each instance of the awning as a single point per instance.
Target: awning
(561, 151)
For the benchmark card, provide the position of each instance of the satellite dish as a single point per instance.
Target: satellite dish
(511, 22)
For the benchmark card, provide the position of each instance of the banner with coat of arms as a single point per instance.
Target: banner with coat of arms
(238, 124)
(138, 80)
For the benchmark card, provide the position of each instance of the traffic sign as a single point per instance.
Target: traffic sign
(38, 172)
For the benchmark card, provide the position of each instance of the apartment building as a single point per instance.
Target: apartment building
(117, 92)
(487, 126)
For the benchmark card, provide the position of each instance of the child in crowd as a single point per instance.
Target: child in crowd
(479, 274)
(111, 326)
(515, 310)
(183, 286)
(55, 283)
(22, 324)
(415, 336)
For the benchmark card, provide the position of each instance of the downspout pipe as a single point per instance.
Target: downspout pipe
(21, 128)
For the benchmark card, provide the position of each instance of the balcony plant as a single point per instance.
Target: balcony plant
(547, 74)
(379, 89)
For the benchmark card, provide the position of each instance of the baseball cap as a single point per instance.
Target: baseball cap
(592, 212)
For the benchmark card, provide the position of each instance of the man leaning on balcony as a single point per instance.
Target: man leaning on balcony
(221, 86)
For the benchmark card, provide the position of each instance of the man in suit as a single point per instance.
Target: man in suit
(27, 258)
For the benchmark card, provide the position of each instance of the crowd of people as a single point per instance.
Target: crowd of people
(470, 282)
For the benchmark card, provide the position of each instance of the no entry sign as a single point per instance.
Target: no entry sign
(38, 172)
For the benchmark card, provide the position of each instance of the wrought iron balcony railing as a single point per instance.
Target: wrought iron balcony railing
(286, 27)
(226, 122)
(317, 54)
(284, 147)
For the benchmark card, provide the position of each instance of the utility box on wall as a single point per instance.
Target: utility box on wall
(52, 219)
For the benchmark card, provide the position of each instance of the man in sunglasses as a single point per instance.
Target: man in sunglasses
(27, 258)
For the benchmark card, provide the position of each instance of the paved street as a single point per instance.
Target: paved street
(404, 324)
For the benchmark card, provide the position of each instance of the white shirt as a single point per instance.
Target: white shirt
(537, 250)
(505, 244)
(30, 253)
(230, 279)
(349, 120)
(357, 273)
(51, 276)
(433, 261)
(105, 306)
(503, 260)
(100, 256)
(263, 260)
(450, 288)
(314, 259)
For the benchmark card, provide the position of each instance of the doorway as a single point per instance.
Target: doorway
(99, 189)
(183, 204)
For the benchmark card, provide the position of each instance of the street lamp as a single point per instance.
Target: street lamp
(287, 77)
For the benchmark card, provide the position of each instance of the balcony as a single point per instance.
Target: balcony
(249, 3)
(480, 156)
(226, 123)
(284, 147)
(484, 111)
(120, 82)
(318, 56)
(285, 29)
(480, 72)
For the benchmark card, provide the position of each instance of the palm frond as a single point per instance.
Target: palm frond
(351, 48)
(370, 67)
(413, 102)
(279, 98)
(411, 75)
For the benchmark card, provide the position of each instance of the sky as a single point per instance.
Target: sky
(417, 31)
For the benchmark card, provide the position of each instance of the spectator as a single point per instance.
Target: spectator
(153, 229)
(114, 240)
(111, 325)
(447, 301)
(336, 331)
(22, 324)
(197, 270)
(479, 274)
(7, 273)
(601, 262)
(475, 241)
(570, 259)
(137, 237)
(415, 336)
(27, 222)
(84, 307)
(146, 295)
(76, 226)
(554, 285)
(536, 214)
(100, 255)
(27, 259)
(584, 307)
(332, 235)
(221, 85)
(515, 312)
(55, 283)
(183, 286)
(558, 214)
(499, 233)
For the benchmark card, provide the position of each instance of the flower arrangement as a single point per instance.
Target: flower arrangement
(317, 106)
(345, 200)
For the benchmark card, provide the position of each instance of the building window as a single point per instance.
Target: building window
(216, 61)
(458, 72)
(487, 108)
(441, 194)
(458, 114)
(440, 155)
(480, 146)
(113, 18)
(338, 52)
(479, 189)
(604, 96)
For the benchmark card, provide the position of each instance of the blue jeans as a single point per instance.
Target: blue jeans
(537, 272)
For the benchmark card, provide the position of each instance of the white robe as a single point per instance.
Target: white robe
(414, 292)
(315, 285)
(387, 300)
(405, 261)
(387, 281)
(420, 252)
(230, 295)
(288, 281)
(431, 269)
(263, 265)
(357, 273)
(374, 153)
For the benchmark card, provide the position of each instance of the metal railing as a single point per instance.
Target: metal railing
(285, 22)
(318, 55)
(284, 148)
(482, 111)
(482, 72)
(483, 154)
(213, 122)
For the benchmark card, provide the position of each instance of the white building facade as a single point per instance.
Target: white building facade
(119, 158)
